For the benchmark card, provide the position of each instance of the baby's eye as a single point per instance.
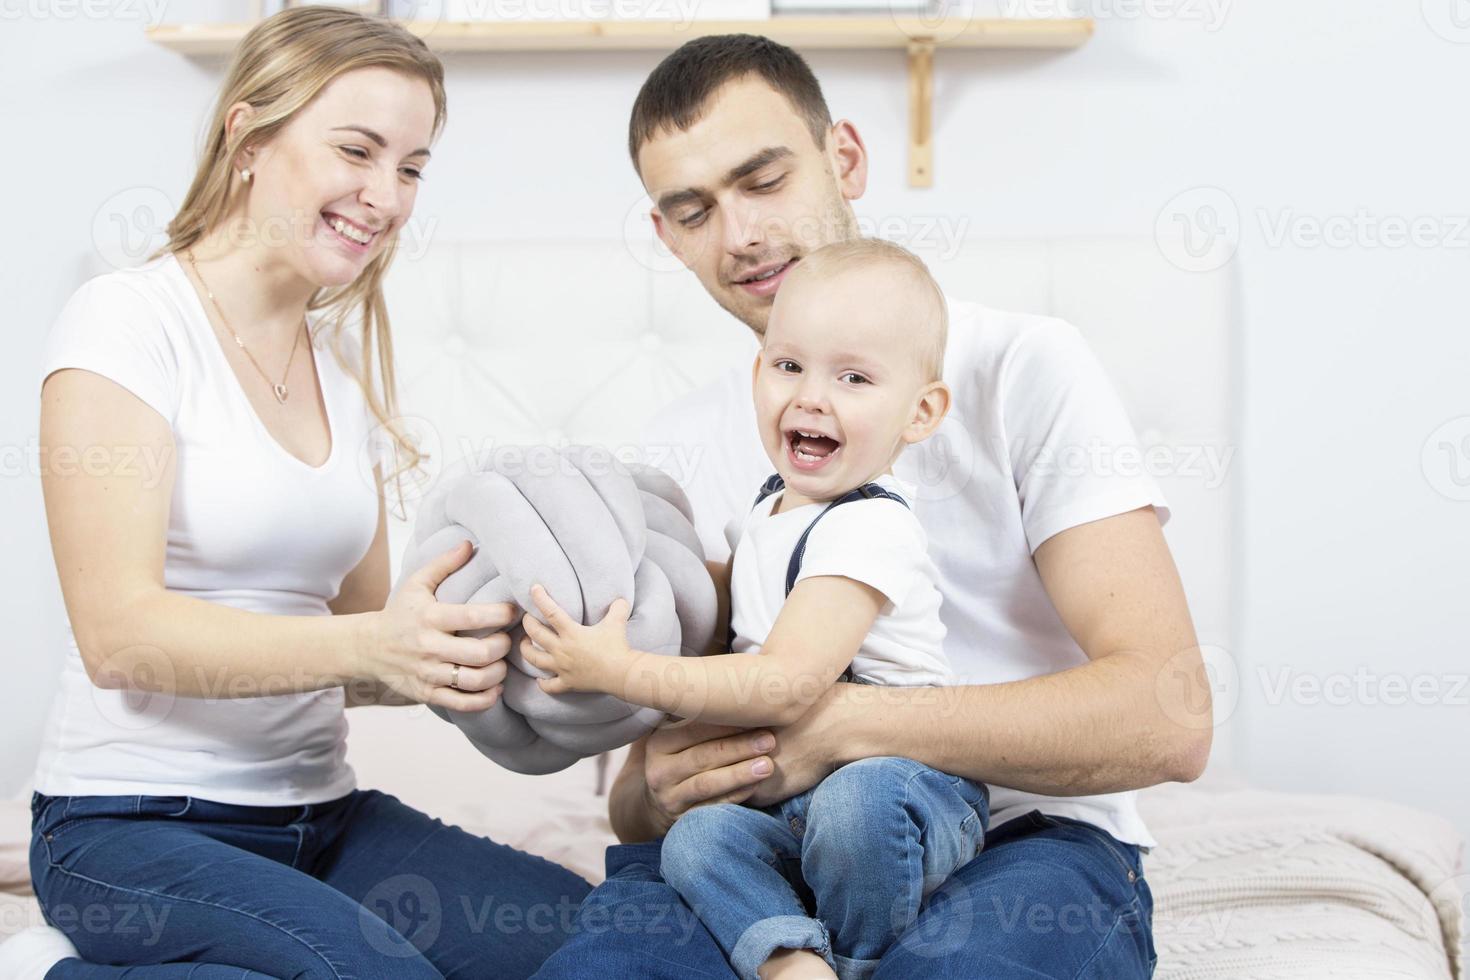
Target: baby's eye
(789, 367)
(853, 378)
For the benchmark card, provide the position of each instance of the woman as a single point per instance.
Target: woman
(194, 812)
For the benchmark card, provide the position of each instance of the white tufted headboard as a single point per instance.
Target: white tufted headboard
(520, 342)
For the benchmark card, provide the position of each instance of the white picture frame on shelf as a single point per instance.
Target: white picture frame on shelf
(481, 11)
(362, 6)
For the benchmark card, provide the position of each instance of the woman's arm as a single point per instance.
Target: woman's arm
(819, 630)
(109, 522)
(365, 589)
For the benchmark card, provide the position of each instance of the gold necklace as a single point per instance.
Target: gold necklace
(279, 390)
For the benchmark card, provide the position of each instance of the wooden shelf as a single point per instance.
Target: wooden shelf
(839, 32)
(918, 37)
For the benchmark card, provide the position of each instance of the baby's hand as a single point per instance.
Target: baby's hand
(582, 658)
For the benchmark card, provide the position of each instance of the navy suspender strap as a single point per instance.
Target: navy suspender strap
(870, 491)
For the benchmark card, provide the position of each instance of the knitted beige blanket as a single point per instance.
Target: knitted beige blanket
(1254, 885)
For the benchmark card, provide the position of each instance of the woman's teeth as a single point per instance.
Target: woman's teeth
(349, 231)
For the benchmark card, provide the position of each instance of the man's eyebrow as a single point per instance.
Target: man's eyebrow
(372, 135)
(758, 160)
(673, 199)
(750, 165)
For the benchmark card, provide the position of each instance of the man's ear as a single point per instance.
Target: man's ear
(849, 159)
(929, 412)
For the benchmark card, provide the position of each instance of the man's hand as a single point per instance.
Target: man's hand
(686, 765)
(582, 658)
(809, 750)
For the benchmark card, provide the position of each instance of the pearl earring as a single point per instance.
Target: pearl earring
(245, 175)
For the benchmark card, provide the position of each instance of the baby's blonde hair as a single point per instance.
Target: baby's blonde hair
(930, 327)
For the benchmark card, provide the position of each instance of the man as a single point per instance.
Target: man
(1065, 615)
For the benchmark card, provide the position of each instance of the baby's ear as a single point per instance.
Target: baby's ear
(929, 411)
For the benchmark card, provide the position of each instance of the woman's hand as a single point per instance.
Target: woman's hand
(581, 658)
(411, 648)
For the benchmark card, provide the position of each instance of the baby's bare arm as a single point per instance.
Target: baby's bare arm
(820, 629)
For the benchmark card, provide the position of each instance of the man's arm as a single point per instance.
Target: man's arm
(1135, 715)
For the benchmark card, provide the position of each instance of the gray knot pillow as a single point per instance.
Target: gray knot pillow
(591, 529)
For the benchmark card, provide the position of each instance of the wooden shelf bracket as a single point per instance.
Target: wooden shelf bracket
(921, 113)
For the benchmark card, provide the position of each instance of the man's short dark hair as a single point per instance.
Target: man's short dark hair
(675, 95)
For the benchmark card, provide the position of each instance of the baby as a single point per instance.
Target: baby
(829, 581)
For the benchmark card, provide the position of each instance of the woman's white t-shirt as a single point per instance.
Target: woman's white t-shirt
(250, 526)
(1036, 442)
(878, 542)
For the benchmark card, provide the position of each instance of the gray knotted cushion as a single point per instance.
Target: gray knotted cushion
(591, 530)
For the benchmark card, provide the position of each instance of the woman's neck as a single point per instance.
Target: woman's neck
(263, 298)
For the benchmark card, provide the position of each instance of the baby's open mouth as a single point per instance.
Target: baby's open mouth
(811, 447)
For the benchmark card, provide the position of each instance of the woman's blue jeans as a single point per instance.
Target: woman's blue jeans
(842, 869)
(361, 887)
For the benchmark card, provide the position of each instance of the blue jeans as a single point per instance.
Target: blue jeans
(841, 869)
(1048, 897)
(359, 887)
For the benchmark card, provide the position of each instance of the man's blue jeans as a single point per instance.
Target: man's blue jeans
(841, 869)
(1048, 897)
(360, 887)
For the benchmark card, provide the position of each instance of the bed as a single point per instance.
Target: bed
(1247, 883)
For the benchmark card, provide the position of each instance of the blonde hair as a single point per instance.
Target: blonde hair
(282, 64)
(932, 333)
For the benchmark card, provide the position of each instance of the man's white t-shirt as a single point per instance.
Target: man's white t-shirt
(249, 526)
(1022, 455)
(878, 542)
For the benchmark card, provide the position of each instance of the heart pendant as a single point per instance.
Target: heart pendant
(281, 393)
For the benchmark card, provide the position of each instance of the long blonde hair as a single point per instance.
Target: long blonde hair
(282, 64)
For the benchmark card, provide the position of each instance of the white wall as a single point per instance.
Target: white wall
(1343, 115)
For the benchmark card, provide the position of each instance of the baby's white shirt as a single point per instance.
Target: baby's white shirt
(878, 542)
